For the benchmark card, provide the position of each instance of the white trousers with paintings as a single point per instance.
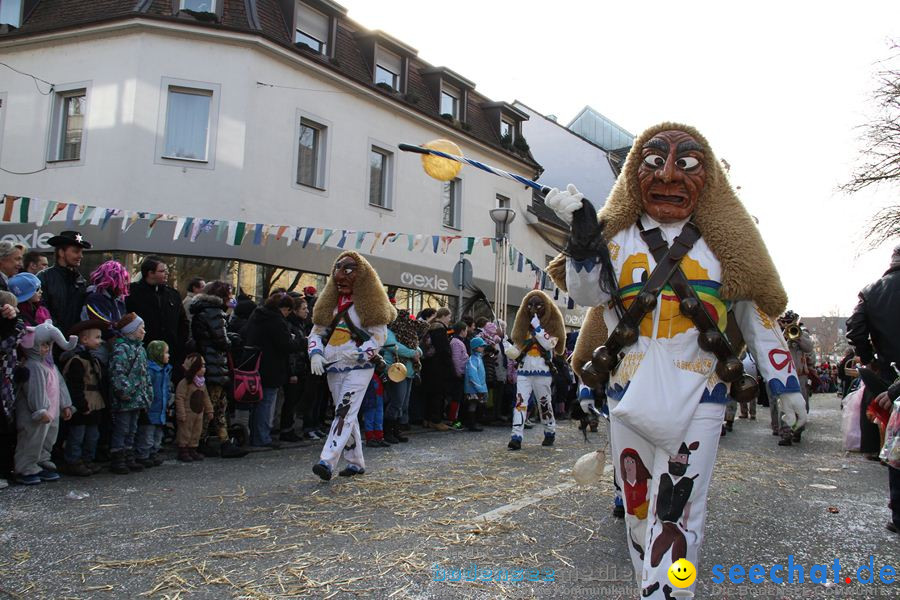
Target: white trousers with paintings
(540, 385)
(665, 496)
(348, 390)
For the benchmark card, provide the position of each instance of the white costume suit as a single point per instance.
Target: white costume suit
(349, 372)
(662, 528)
(533, 376)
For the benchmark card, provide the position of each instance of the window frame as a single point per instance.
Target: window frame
(456, 196)
(512, 128)
(213, 6)
(379, 62)
(56, 121)
(501, 198)
(215, 92)
(389, 152)
(456, 95)
(20, 18)
(323, 156)
(326, 45)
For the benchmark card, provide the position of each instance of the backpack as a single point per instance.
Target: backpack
(247, 382)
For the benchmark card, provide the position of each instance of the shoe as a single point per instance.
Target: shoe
(775, 432)
(322, 470)
(724, 431)
(398, 433)
(439, 427)
(47, 475)
(618, 511)
(78, 469)
(196, 456)
(184, 455)
(742, 416)
(549, 438)
(528, 424)
(322, 434)
(372, 443)
(157, 460)
(312, 436)
(593, 427)
(729, 425)
(457, 425)
(752, 417)
(131, 463)
(290, 436)
(514, 444)
(3, 483)
(147, 463)
(94, 467)
(32, 479)
(117, 463)
(892, 528)
(786, 436)
(351, 470)
(797, 436)
(473, 426)
(390, 438)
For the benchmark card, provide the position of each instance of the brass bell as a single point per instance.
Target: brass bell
(603, 361)
(646, 301)
(744, 389)
(590, 377)
(689, 306)
(729, 369)
(627, 334)
(709, 340)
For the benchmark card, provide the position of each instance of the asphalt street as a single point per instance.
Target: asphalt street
(265, 527)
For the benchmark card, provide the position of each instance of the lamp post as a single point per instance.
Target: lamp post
(501, 217)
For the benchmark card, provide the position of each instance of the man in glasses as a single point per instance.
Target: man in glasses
(349, 328)
(673, 267)
(161, 308)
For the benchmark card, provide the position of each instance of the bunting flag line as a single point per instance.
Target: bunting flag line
(235, 233)
(307, 236)
(328, 233)
(70, 215)
(86, 215)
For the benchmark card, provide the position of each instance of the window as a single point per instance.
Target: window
(187, 124)
(502, 201)
(380, 177)
(450, 203)
(200, 6)
(312, 28)
(507, 129)
(68, 125)
(11, 12)
(450, 102)
(388, 67)
(311, 154)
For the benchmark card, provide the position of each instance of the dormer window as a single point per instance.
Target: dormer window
(313, 28)
(388, 67)
(11, 12)
(199, 6)
(450, 101)
(507, 130)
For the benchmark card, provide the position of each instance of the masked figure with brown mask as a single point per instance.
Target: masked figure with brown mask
(537, 334)
(349, 328)
(678, 280)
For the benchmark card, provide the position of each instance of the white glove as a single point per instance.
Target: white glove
(351, 354)
(793, 409)
(587, 405)
(317, 364)
(535, 322)
(511, 351)
(564, 203)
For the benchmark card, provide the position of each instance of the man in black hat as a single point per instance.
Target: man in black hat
(63, 285)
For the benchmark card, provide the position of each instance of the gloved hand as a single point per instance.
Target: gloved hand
(511, 351)
(535, 322)
(351, 354)
(564, 204)
(793, 409)
(317, 364)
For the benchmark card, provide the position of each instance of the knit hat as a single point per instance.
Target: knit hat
(24, 286)
(477, 342)
(155, 350)
(129, 323)
(310, 290)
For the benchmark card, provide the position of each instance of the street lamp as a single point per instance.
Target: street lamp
(501, 217)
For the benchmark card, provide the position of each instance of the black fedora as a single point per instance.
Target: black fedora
(69, 238)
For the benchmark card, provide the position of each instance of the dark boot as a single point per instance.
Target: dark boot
(117, 463)
(786, 436)
(729, 425)
(390, 427)
(79, 469)
(515, 443)
(131, 463)
(797, 436)
(472, 415)
(549, 438)
(157, 460)
(147, 463)
(184, 454)
(398, 433)
(195, 454)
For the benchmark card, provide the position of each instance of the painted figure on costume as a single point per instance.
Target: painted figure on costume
(679, 280)
(537, 334)
(349, 328)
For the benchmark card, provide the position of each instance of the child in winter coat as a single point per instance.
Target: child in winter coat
(132, 392)
(373, 414)
(460, 354)
(193, 408)
(27, 289)
(475, 385)
(83, 375)
(150, 434)
(41, 401)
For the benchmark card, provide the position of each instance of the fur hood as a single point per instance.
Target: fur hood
(552, 322)
(203, 301)
(369, 297)
(748, 272)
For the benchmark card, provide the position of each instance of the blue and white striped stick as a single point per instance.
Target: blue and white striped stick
(479, 165)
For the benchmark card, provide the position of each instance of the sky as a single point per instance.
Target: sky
(778, 88)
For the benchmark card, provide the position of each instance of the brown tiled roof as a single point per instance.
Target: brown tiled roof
(49, 15)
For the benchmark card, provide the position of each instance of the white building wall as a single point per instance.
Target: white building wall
(253, 174)
(567, 158)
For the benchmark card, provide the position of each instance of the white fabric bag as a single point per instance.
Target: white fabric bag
(661, 399)
(850, 427)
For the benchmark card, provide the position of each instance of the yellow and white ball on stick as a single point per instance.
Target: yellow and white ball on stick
(442, 169)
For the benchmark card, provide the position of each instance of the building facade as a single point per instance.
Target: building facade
(279, 112)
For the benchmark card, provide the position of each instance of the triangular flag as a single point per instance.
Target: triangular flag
(70, 215)
(154, 219)
(410, 241)
(307, 236)
(195, 230)
(521, 262)
(179, 225)
(493, 245)
(125, 216)
(434, 243)
(343, 239)
(257, 234)
(107, 215)
(235, 233)
(470, 245)
(9, 202)
(97, 215)
(327, 233)
(360, 238)
(375, 243)
(86, 215)
(49, 211)
(221, 228)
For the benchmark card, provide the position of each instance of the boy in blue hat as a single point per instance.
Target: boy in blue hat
(27, 289)
(475, 384)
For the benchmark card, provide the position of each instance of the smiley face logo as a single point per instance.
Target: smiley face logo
(682, 573)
